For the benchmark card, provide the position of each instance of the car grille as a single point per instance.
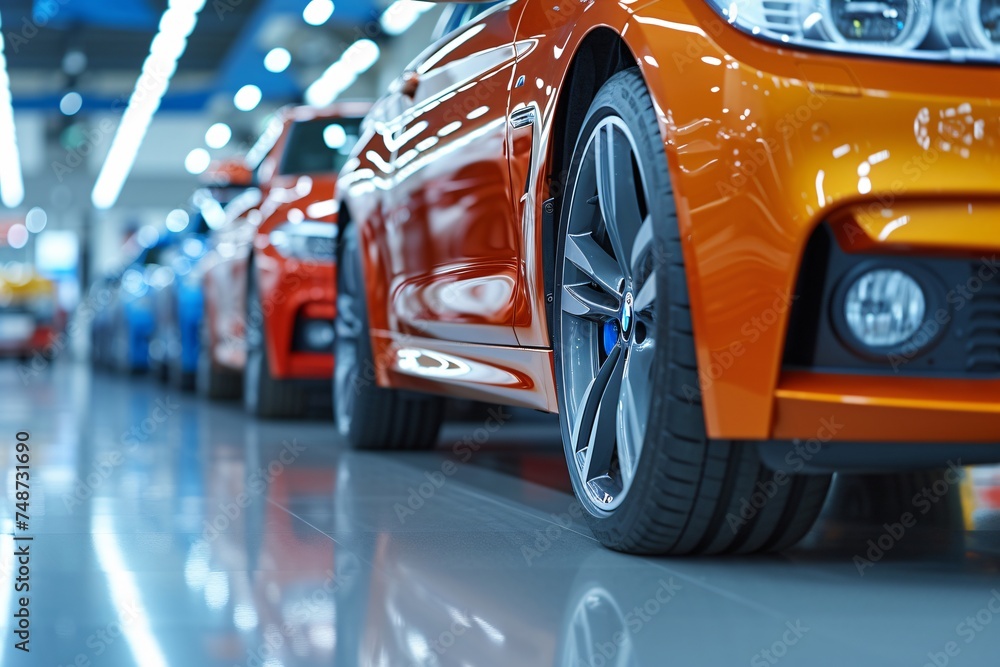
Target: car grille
(982, 341)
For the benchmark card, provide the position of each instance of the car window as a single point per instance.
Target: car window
(458, 15)
(320, 146)
(264, 144)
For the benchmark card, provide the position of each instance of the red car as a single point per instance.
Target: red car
(269, 275)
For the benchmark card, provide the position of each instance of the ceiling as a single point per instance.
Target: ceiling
(224, 52)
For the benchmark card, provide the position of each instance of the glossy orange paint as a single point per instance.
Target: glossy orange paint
(764, 144)
(288, 287)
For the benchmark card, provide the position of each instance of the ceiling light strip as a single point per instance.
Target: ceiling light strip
(168, 46)
(11, 179)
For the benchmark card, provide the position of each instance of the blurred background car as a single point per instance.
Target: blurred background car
(122, 330)
(175, 344)
(29, 317)
(269, 273)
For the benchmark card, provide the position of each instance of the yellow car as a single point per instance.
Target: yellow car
(27, 313)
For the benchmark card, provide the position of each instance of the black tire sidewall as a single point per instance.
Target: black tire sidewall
(348, 278)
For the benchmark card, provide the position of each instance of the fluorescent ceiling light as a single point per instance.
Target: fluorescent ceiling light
(318, 12)
(11, 179)
(177, 220)
(168, 46)
(36, 219)
(17, 236)
(71, 103)
(218, 135)
(277, 60)
(341, 75)
(400, 15)
(247, 98)
(197, 161)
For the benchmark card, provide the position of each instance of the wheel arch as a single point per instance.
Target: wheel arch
(589, 69)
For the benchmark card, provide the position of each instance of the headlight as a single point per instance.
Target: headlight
(884, 308)
(307, 240)
(930, 29)
(979, 25)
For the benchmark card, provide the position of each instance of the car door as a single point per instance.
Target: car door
(451, 234)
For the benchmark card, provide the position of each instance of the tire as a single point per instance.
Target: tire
(264, 396)
(178, 378)
(648, 477)
(213, 382)
(369, 416)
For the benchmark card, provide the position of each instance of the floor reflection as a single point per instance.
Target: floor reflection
(171, 532)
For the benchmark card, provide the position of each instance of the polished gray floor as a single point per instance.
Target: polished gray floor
(171, 532)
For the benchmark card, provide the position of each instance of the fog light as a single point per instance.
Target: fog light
(319, 335)
(884, 308)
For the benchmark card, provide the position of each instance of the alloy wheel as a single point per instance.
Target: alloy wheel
(607, 315)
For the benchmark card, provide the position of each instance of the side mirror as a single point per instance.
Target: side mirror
(228, 173)
(411, 84)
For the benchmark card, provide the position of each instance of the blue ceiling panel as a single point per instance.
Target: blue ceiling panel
(125, 14)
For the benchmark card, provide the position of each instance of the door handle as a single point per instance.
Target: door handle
(411, 83)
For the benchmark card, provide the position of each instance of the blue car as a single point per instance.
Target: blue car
(124, 323)
(176, 337)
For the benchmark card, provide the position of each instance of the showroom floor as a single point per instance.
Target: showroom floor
(168, 531)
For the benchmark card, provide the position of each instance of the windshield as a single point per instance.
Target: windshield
(320, 146)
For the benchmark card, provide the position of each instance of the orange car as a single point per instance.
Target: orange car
(269, 276)
(736, 246)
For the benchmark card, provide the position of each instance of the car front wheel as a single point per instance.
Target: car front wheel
(642, 467)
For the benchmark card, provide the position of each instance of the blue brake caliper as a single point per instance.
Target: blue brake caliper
(610, 331)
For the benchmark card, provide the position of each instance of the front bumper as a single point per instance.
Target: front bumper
(765, 145)
(22, 335)
(292, 292)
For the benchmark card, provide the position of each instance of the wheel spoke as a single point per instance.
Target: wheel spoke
(596, 425)
(632, 415)
(585, 253)
(616, 191)
(643, 243)
(586, 302)
(645, 298)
